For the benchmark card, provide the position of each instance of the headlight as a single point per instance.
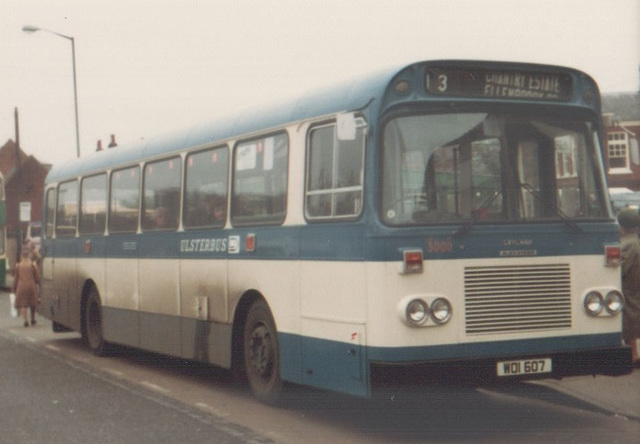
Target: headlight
(440, 310)
(614, 302)
(417, 312)
(593, 303)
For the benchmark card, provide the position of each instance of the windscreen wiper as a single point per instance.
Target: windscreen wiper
(566, 219)
(475, 216)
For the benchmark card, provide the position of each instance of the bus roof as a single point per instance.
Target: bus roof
(349, 96)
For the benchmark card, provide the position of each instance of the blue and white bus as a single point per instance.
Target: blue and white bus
(437, 216)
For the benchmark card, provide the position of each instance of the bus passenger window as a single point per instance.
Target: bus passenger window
(260, 181)
(93, 204)
(161, 201)
(67, 210)
(205, 194)
(334, 173)
(125, 198)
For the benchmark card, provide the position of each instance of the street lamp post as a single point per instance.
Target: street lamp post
(31, 29)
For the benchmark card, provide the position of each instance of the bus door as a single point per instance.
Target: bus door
(59, 266)
(47, 255)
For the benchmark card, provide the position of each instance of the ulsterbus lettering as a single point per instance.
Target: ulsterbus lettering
(209, 245)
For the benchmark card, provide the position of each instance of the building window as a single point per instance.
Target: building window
(618, 151)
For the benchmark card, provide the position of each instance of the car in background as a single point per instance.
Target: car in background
(624, 198)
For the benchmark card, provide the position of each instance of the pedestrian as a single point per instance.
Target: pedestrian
(35, 254)
(629, 221)
(35, 258)
(26, 279)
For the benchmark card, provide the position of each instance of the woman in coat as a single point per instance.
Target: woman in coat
(25, 285)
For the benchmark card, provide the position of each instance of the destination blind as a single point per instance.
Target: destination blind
(498, 84)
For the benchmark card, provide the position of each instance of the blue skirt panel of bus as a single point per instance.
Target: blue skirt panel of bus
(347, 368)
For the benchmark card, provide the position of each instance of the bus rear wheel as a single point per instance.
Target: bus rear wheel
(262, 354)
(93, 324)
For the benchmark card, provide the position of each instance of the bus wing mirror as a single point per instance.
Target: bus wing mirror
(346, 126)
(635, 154)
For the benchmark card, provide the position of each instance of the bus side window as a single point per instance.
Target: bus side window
(334, 173)
(49, 213)
(260, 181)
(125, 199)
(93, 204)
(67, 209)
(206, 183)
(161, 194)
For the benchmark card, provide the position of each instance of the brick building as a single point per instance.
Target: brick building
(621, 112)
(23, 184)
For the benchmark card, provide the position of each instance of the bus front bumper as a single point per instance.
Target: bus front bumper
(605, 361)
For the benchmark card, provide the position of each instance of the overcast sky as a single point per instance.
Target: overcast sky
(145, 67)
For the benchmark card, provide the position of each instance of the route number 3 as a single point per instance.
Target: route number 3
(441, 83)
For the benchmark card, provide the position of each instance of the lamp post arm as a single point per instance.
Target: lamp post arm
(75, 94)
(31, 29)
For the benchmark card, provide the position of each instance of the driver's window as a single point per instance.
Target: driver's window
(529, 177)
(467, 178)
(487, 179)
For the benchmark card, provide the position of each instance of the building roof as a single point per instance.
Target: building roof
(8, 160)
(624, 106)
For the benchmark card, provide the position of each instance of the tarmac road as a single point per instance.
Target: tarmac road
(139, 397)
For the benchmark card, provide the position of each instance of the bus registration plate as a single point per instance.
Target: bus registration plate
(524, 367)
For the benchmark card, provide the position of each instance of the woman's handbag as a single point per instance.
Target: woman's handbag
(12, 299)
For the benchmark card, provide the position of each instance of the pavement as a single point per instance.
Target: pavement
(620, 395)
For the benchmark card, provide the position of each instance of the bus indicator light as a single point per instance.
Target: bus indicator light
(250, 242)
(412, 261)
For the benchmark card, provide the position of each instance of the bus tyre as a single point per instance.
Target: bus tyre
(93, 324)
(262, 354)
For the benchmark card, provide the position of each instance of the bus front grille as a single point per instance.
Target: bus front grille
(517, 298)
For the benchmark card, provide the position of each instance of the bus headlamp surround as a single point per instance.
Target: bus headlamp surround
(417, 312)
(614, 302)
(424, 310)
(440, 310)
(594, 303)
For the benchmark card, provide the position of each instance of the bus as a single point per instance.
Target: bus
(436, 217)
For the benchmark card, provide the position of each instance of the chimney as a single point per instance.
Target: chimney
(608, 119)
(113, 143)
(99, 145)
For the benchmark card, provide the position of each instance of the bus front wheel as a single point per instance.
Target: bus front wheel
(93, 324)
(262, 354)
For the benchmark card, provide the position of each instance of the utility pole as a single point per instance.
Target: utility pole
(19, 188)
